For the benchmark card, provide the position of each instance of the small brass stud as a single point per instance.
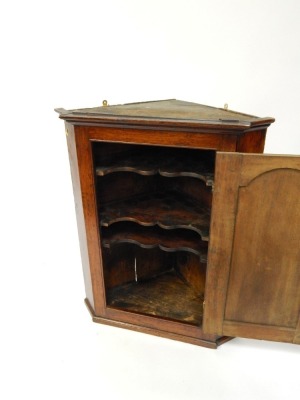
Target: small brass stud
(104, 103)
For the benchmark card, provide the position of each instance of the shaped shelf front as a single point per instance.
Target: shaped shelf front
(166, 210)
(154, 237)
(167, 165)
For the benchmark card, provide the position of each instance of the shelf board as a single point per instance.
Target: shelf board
(166, 210)
(159, 163)
(153, 237)
(166, 296)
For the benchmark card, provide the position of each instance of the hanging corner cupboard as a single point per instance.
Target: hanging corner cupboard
(187, 231)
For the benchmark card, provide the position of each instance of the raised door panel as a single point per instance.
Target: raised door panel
(253, 276)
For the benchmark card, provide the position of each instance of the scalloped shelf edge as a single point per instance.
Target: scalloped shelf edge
(109, 170)
(204, 235)
(202, 256)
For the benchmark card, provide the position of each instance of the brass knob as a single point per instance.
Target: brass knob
(104, 103)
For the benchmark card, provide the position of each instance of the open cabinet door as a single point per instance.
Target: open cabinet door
(253, 274)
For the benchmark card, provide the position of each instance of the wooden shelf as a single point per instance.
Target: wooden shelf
(167, 166)
(152, 237)
(166, 296)
(166, 210)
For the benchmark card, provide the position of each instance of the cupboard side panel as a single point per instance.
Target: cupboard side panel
(252, 142)
(79, 212)
(220, 241)
(89, 203)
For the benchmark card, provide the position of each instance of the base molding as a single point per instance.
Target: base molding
(157, 332)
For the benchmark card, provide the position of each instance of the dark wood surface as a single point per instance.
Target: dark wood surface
(252, 141)
(168, 210)
(169, 136)
(89, 233)
(170, 128)
(152, 237)
(193, 271)
(253, 276)
(167, 112)
(130, 262)
(161, 163)
(165, 296)
(173, 330)
(72, 150)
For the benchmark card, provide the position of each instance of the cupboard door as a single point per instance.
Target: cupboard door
(253, 275)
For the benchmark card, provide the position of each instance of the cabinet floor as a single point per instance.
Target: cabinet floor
(166, 295)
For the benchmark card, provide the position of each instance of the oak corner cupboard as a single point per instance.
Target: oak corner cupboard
(187, 230)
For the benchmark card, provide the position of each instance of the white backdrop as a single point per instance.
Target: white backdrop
(75, 54)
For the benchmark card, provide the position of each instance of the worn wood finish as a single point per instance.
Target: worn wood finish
(252, 142)
(221, 237)
(170, 240)
(165, 162)
(296, 339)
(127, 152)
(192, 271)
(156, 297)
(173, 138)
(169, 333)
(163, 324)
(182, 114)
(123, 186)
(256, 288)
(259, 331)
(168, 210)
(130, 263)
(118, 266)
(265, 271)
(71, 141)
(88, 195)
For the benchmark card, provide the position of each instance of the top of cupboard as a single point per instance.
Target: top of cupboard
(166, 113)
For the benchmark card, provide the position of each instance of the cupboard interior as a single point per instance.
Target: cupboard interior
(154, 206)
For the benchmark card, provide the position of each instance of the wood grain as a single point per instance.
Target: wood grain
(71, 141)
(88, 196)
(167, 113)
(252, 142)
(128, 262)
(296, 339)
(170, 137)
(168, 210)
(192, 271)
(165, 296)
(167, 329)
(170, 140)
(171, 240)
(256, 286)
(221, 238)
(264, 280)
(164, 163)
